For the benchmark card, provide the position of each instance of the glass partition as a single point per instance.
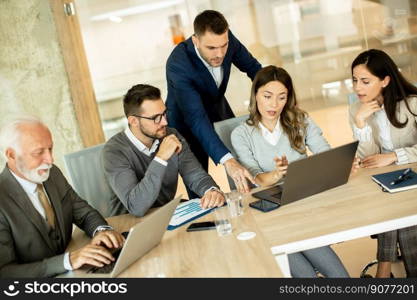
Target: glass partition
(128, 42)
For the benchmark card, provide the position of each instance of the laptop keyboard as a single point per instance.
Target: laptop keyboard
(103, 270)
(109, 268)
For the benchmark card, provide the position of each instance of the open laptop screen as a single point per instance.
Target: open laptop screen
(312, 175)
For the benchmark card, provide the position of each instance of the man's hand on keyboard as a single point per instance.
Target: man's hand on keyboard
(108, 238)
(94, 255)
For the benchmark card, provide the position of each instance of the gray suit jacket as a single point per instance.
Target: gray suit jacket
(26, 249)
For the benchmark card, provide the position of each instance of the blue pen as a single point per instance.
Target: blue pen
(402, 177)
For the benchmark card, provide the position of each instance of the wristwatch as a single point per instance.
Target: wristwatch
(102, 228)
(214, 188)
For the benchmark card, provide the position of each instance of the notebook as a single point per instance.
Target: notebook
(186, 212)
(385, 180)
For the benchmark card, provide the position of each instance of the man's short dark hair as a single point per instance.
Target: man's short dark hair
(136, 95)
(210, 20)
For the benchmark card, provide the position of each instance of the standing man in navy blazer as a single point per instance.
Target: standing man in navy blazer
(197, 72)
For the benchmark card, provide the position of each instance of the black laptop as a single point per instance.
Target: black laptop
(309, 176)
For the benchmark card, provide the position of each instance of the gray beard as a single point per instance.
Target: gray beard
(31, 175)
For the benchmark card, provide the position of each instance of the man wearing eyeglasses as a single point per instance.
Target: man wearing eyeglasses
(142, 163)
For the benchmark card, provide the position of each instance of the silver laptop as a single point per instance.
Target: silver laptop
(141, 239)
(309, 176)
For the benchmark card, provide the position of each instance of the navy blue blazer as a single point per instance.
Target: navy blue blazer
(194, 102)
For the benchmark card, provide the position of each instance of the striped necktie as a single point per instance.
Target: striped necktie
(49, 212)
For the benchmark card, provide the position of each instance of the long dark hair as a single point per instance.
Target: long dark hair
(292, 118)
(398, 89)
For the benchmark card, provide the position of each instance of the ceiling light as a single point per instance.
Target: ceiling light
(135, 10)
(115, 19)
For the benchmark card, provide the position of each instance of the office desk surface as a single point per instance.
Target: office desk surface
(356, 209)
(199, 254)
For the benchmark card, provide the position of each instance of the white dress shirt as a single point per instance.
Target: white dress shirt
(217, 74)
(271, 137)
(365, 135)
(30, 190)
(142, 148)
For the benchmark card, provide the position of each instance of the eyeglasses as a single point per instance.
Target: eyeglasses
(156, 118)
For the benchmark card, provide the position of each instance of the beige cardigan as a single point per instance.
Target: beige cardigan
(405, 138)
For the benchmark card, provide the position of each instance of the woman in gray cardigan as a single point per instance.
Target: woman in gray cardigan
(276, 133)
(384, 122)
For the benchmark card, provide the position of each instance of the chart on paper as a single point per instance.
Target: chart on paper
(186, 212)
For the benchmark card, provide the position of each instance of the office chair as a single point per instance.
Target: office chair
(88, 180)
(397, 267)
(224, 130)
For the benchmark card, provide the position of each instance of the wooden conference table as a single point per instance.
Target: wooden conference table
(356, 209)
(198, 254)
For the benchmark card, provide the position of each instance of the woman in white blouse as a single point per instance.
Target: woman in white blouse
(384, 122)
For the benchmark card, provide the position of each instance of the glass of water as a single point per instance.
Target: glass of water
(222, 221)
(234, 202)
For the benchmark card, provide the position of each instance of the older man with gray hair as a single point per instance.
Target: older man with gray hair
(38, 208)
